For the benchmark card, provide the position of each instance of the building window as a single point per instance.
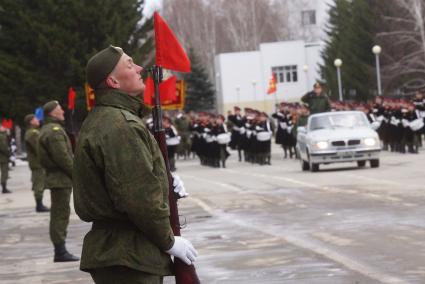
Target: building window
(285, 74)
(308, 17)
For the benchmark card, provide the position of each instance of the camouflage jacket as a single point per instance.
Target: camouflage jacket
(316, 103)
(120, 178)
(31, 140)
(4, 148)
(55, 154)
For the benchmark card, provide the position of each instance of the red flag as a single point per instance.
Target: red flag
(71, 98)
(169, 53)
(167, 90)
(272, 85)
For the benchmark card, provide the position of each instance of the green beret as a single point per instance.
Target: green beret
(28, 118)
(49, 106)
(101, 65)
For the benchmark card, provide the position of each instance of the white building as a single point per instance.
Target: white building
(242, 78)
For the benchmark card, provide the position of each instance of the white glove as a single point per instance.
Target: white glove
(179, 186)
(184, 250)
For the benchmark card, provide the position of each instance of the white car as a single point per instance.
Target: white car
(335, 137)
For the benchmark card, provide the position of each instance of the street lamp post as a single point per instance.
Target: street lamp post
(253, 86)
(338, 64)
(305, 68)
(238, 88)
(377, 50)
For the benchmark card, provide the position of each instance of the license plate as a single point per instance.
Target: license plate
(346, 154)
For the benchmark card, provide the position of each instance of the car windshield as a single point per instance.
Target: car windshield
(338, 120)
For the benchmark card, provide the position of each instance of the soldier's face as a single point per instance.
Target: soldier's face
(35, 122)
(128, 76)
(58, 113)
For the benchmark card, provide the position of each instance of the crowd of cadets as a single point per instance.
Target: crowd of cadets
(399, 123)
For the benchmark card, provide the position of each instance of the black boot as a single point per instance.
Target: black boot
(40, 207)
(62, 255)
(4, 189)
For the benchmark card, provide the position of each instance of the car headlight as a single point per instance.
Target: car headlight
(321, 145)
(370, 141)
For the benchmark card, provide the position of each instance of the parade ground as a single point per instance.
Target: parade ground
(259, 224)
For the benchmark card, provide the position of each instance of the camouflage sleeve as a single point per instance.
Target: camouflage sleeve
(4, 146)
(59, 153)
(31, 141)
(136, 181)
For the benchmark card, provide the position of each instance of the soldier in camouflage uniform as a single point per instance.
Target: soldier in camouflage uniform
(120, 181)
(37, 172)
(55, 155)
(4, 159)
(317, 100)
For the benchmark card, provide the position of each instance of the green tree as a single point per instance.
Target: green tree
(351, 33)
(45, 45)
(200, 93)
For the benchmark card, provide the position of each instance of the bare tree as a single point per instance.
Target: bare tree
(403, 40)
(212, 27)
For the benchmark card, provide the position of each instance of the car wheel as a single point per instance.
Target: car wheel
(374, 163)
(313, 166)
(361, 164)
(304, 165)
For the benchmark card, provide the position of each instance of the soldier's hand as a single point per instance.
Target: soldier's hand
(184, 250)
(179, 188)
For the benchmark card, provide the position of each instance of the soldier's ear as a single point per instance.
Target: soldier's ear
(111, 82)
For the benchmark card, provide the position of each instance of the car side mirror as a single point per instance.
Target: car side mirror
(302, 129)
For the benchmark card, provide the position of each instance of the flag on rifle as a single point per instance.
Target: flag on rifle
(169, 53)
(272, 85)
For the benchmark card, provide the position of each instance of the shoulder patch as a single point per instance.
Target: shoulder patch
(129, 116)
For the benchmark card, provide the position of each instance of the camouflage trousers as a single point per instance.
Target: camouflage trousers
(124, 275)
(4, 170)
(59, 214)
(37, 179)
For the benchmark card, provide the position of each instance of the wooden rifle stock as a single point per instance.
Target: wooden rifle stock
(184, 274)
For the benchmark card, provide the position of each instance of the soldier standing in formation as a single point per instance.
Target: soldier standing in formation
(284, 127)
(183, 128)
(237, 123)
(37, 172)
(120, 181)
(219, 130)
(172, 141)
(55, 154)
(4, 159)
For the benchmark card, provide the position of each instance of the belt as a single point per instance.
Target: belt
(113, 224)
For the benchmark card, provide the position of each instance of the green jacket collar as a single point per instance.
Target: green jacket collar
(121, 100)
(49, 119)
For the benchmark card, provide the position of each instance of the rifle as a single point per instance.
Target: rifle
(184, 274)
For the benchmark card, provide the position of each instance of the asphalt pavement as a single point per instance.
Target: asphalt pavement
(259, 224)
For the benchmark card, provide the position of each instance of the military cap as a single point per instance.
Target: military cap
(49, 106)
(28, 118)
(317, 85)
(101, 65)
(166, 118)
